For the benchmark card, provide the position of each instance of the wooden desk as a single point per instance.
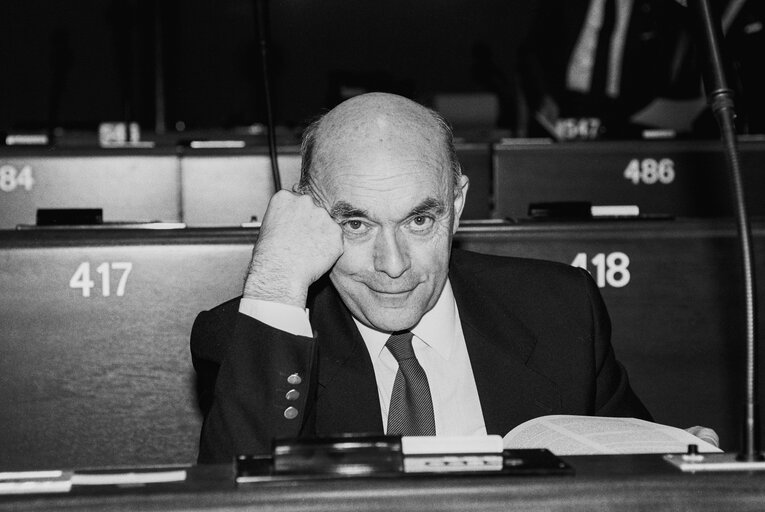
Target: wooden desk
(620, 483)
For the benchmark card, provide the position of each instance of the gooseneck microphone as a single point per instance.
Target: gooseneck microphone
(720, 100)
(261, 20)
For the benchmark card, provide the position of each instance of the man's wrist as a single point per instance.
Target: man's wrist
(284, 317)
(270, 286)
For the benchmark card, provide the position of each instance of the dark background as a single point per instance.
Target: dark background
(74, 64)
(77, 62)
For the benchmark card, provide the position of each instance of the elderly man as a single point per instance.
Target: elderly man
(357, 316)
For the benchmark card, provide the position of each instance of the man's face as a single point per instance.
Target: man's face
(394, 199)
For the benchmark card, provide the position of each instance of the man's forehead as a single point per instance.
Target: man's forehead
(382, 137)
(373, 170)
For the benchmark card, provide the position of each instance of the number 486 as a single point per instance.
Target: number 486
(649, 171)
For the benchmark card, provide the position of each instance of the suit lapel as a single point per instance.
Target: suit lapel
(346, 394)
(500, 348)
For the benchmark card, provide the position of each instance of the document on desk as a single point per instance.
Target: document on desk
(593, 435)
(33, 482)
(129, 476)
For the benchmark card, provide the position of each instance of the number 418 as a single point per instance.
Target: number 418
(610, 269)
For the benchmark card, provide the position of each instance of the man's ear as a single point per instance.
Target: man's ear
(460, 196)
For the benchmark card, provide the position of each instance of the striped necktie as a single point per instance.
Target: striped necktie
(411, 407)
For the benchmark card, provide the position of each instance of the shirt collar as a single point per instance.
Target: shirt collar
(437, 328)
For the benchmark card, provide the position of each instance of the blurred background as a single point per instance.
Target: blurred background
(497, 67)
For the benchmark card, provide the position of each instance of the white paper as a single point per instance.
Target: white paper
(450, 445)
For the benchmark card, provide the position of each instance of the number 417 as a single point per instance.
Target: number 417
(81, 278)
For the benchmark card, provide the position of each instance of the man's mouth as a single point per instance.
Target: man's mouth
(392, 292)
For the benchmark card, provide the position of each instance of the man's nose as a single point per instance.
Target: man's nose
(391, 255)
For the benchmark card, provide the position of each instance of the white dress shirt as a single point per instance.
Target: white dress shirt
(439, 345)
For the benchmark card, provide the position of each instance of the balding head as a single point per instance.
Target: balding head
(379, 121)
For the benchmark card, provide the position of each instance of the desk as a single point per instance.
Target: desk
(674, 294)
(226, 187)
(108, 377)
(621, 483)
(201, 187)
(679, 178)
(128, 184)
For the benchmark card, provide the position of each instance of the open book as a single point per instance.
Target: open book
(592, 435)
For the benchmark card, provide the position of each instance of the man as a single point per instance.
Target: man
(363, 252)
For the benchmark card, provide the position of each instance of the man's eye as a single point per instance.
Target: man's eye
(421, 222)
(354, 226)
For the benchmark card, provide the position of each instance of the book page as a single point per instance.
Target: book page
(591, 435)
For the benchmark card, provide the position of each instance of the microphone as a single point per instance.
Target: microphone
(261, 19)
(720, 100)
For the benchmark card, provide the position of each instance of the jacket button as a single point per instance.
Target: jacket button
(292, 394)
(290, 413)
(294, 379)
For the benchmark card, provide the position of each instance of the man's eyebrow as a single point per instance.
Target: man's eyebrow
(430, 205)
(344, 210)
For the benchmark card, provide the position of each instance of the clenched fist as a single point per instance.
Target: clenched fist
(298, 243)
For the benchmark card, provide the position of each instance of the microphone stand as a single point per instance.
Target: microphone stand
(720, 100)
(261, 16)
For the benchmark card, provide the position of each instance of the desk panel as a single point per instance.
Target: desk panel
(679, 178)
(129, 185)
(229, 187)
(94, 361)
(673, 290)
(201, 187)
(95, 366)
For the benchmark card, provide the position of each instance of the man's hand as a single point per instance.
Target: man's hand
(705, 434)
(298, 243)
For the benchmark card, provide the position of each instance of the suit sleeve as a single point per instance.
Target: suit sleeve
(613, 394)
(262, 389)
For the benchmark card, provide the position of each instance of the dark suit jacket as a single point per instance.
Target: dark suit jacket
(537, 333)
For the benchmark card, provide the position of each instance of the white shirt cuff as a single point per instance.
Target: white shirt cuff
(284, 317)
